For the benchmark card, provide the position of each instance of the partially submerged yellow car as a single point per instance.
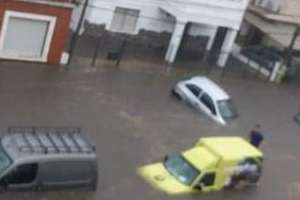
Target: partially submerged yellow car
(213, 164)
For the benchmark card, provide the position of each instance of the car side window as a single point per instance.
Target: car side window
(194, 89)
(208, 179)
(208, 102)
(23, 174)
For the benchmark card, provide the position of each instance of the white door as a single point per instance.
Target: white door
(25, 37)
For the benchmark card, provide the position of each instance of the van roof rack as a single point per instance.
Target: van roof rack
(50, 140)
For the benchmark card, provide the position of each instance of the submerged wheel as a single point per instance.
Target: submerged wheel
(253, 178)
(233, 182)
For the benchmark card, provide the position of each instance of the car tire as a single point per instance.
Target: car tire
(253, 178)
(234, 182)
(176, 95)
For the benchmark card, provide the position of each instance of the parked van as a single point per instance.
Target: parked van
(213, 164)
(47, 158)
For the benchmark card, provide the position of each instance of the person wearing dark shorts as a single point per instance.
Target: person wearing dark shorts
(256, 137)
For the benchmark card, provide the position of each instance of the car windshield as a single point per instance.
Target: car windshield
(181, 169)
(5, 161)
(227, 109)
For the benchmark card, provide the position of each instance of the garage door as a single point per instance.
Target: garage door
(25, 37)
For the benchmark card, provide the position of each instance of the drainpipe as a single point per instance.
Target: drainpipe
(74, 38)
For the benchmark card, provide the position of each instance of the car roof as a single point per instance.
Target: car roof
(200, 157)
(231, 148)
(45, 144)
(210, 87)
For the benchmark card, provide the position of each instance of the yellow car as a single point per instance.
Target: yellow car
(213, 164)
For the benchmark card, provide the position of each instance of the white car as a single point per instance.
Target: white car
(207, 96)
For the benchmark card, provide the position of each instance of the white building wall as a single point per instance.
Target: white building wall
(75, 17)
(202, 29)
(172, 16)
(151, 17)
(290, 7)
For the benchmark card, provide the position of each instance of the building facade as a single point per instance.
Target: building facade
(34, 30)
(269, 38)
(196, 17)
(272, 23)
(281, 7)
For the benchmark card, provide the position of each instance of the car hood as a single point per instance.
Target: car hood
(160, 178)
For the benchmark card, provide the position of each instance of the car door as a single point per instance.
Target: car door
(23, 176)
(63, 174)
(193, 94)
(208, 106)
(206, 182)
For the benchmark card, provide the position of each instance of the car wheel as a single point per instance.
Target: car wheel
(175, 94)
(253, 178)
(234, 182)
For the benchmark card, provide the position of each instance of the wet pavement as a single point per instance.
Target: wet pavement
(129, 113)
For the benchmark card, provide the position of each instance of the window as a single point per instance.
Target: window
(26, 36)
(124, 20)
(22, 174)
(208, 102)
(29, 43)
(181, 169)
(194, 89)
(227, 109)
(208, 179)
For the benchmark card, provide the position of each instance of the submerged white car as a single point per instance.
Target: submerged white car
(207, 96)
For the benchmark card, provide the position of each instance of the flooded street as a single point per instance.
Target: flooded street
(133, 120)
